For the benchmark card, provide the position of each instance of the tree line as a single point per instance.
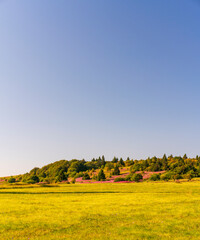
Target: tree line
(172, 168)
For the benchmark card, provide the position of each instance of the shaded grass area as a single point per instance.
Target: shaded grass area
(101, 211)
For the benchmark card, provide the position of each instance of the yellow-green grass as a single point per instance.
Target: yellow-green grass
(101, 211)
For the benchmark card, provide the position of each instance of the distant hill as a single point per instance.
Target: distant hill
(165, 168)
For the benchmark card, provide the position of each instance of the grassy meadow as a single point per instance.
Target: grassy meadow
(148, 210)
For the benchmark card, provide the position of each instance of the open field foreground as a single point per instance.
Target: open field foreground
(101, 211)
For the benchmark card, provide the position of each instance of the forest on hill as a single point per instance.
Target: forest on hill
(165, 168)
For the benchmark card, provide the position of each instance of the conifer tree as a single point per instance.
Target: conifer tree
(121, 162)
(164, 162)
(101, 176)
(116, 170)
(103, 161)
(115, 160)
(185, 156)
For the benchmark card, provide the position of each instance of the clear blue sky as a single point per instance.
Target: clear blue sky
(79, 79)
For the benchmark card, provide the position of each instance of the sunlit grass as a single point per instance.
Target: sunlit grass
(101, 211)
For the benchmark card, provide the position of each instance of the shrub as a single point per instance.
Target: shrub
(119, 179)
(86, 176)
(129, 177)
(155, 177)
(134, 168)
(94, 177)
(109, 166)
(137, 177)
(177, 176)
(11, 180)
(188, 176)
(166, 176)
(116, 171)
(73, 180)
(33, 179)
(193, 174)
(47, 180)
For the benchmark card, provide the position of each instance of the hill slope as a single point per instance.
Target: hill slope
(99, 169)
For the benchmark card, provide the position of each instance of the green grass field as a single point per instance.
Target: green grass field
(101, 211)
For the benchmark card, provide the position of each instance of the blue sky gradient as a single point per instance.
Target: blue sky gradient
(79, 79)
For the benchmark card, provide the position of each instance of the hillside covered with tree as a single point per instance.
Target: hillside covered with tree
(165, 168)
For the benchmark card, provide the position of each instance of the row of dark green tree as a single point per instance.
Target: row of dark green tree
(175, 168)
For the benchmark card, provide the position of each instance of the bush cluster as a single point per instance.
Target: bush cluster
(119, 179)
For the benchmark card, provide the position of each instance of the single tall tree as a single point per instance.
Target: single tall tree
(164, 162)
(103, 161)
(115, 160)
(101, 176)
(185, 157)
(121, 162)
(116, 170)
